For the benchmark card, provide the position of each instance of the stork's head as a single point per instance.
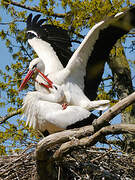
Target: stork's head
(34, 27)
(38, 63)
(34, 64)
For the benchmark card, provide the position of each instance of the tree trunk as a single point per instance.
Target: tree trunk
(123, 86)
(45, 166)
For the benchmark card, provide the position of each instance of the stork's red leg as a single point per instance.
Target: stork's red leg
(64, 105)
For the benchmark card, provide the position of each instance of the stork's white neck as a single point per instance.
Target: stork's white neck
(45, 52)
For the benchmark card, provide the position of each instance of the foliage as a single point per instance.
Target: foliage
(77, 16)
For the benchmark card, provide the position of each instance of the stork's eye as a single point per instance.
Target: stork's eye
(55, 87)
(31, 34)
(34, 66)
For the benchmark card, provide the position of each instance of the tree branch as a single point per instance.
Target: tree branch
(7, 23)
(35, 9)
(9, 115)
(93, 139)
(64, 136)
(113, 111)
(61, 137)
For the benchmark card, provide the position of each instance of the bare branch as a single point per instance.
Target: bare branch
(113, 111)
(64, 136)
(14, 21)
(9, 115)
(35, 9)
(89, 141)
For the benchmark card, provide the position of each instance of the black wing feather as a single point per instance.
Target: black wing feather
(60, 41)
(35, 20)
(56, 36)
(29, 19)
(101, 50)
(40, 22)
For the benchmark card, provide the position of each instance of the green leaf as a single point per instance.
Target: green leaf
(3, 34)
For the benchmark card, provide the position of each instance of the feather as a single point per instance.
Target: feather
(35, 20)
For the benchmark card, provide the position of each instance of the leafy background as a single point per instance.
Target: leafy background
(78, 16)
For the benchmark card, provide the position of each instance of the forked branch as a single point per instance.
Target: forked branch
(93, 139)
(73, 136)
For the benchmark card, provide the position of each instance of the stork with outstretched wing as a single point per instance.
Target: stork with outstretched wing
(95, 46)
(47, 107)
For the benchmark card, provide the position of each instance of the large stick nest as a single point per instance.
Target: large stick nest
(81, 163)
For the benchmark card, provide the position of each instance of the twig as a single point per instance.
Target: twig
(35, 9)
(101, 156)
(59, 173)
(12, 164)
(9, 115)
(6, 23)
(93, 139)
(113, 111)
(75, 173)
(63, 136)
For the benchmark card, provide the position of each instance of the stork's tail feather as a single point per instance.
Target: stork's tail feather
(95, 105)
(30, 110)
(99, 105)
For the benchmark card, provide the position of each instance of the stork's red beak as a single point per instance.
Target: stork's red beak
(26, 79)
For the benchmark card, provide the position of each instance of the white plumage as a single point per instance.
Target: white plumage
(72, 76)
(42, 114)
(73, 94)
(43, 108)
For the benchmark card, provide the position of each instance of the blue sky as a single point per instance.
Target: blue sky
(6, 57)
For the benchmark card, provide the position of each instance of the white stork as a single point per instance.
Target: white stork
(97, 44)
(43, 112)
(45, 108)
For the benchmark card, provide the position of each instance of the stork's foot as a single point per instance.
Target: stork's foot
(64, 105)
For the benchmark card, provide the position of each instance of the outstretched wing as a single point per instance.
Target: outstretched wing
(95, 49)
(56, 36)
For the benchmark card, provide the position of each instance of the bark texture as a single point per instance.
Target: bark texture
(123, 86)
